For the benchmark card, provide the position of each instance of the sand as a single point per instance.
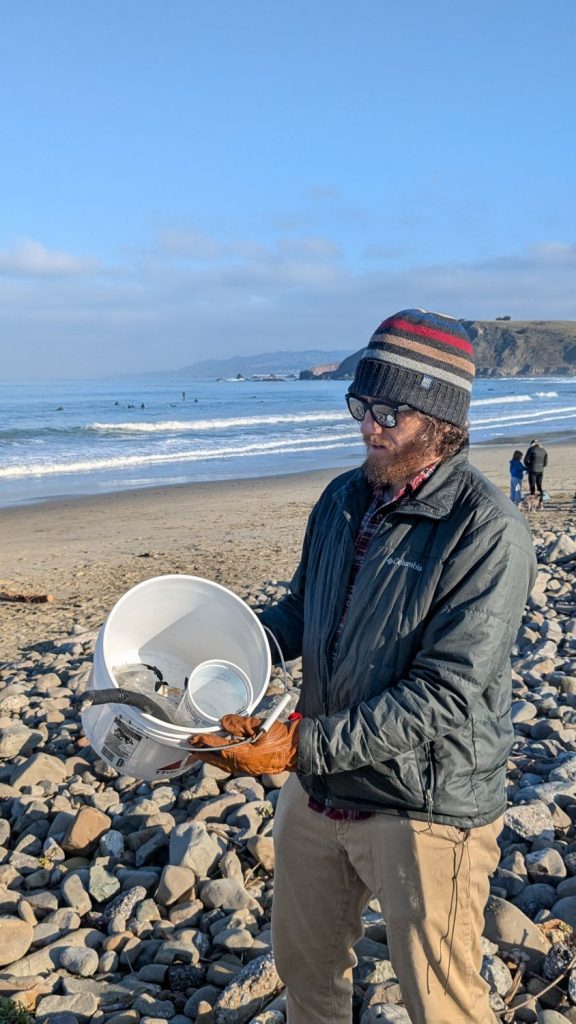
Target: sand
(87, 552)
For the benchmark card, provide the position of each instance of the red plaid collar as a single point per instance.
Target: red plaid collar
(407, 489)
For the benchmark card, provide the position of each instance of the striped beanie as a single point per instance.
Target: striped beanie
(421, 359)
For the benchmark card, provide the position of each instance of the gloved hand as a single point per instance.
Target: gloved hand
(274, 751)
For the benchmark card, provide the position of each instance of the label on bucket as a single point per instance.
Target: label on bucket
(121, 743)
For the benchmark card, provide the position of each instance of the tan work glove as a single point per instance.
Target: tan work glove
(274, 751)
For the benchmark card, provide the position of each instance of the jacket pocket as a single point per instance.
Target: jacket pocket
(399, 781)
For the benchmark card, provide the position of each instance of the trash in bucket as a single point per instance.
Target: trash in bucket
(148, 680)
(173, 624)
(215, 688)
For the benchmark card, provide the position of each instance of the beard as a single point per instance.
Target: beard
(390, 465)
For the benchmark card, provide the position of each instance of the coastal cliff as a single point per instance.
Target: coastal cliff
(504, 348)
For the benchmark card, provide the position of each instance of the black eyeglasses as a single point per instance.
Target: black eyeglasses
(382, 413)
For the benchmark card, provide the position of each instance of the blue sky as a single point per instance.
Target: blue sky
(184, 179)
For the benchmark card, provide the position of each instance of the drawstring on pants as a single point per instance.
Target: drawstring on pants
(458, 851)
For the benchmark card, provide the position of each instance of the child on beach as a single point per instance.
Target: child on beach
(517, 470)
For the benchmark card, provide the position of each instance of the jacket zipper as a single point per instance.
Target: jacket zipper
(430, 782)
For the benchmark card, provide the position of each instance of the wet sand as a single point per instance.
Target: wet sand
(87, 552)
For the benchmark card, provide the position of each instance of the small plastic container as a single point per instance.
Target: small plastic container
(215, 688)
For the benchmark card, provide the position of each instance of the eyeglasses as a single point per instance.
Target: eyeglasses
(382, 413)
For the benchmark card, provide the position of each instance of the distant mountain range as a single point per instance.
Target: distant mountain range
(282, 364)
(504, 348)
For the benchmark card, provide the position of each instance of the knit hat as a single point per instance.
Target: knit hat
(421, 359)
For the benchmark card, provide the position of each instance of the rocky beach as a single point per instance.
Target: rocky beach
(128, 902)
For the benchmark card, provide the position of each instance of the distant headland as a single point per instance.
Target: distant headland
(504, 348)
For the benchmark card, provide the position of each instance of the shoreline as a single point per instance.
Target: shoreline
(88, 550)
(555, 439)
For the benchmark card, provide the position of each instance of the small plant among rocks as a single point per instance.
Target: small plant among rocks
(13, 1013)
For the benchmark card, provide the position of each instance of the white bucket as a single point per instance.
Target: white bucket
(175, 623)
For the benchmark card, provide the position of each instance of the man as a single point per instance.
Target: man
(406, 603)
(536, 460)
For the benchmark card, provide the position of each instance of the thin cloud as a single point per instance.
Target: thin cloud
(162, 314)
(32, 259)
(193, 245)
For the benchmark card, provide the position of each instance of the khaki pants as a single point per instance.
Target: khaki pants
(432, 884)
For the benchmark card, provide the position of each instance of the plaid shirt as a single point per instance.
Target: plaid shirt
(380, 505)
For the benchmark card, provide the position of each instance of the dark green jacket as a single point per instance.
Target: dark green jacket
(412, 716)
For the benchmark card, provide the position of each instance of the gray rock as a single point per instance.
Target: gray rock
(83, 1006)
(102, 884)
(36, 769)
(112, 844)
(511, 929)
(226, 893)
(15, 939)
(46, 960)
(230, 867)
(558, 959)
(234, 940)
(192, 847)
(248, 786)
(176, 885)
(243, 997)
(15, 739)
(148, 851)
(536, 897)
(108, 962)
(63, 1018)
(496, 973)
(124, 903)
(530, 821)
(56, 925)
(565, 909)
(148, 1005)
(81, 961)
(385, 1013)
(75, 894)
(523, 711)
(218, 809)
(545, 864)
(262, 849)
(550, 1017)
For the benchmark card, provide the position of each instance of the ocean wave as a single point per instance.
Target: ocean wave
(167, 426)
(546, 394)
(502, 400)
(546, 416)
(278, 447)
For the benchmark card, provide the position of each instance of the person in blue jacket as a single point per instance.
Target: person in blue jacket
(517, 471)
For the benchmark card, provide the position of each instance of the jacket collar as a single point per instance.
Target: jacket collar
(434, 499)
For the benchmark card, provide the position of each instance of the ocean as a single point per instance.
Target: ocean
(71, 438)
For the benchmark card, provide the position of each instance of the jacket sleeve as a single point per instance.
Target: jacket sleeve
(286, 619)
(467, 638)
(545, 458)
(529, 458)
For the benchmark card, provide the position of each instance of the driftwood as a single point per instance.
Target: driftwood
(8, 595)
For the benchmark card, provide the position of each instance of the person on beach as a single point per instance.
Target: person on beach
(536, 460)
(414, 574)
(517, 471)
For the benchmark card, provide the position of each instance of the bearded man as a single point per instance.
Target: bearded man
(405, 606)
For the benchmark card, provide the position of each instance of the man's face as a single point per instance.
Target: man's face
(396, 454)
